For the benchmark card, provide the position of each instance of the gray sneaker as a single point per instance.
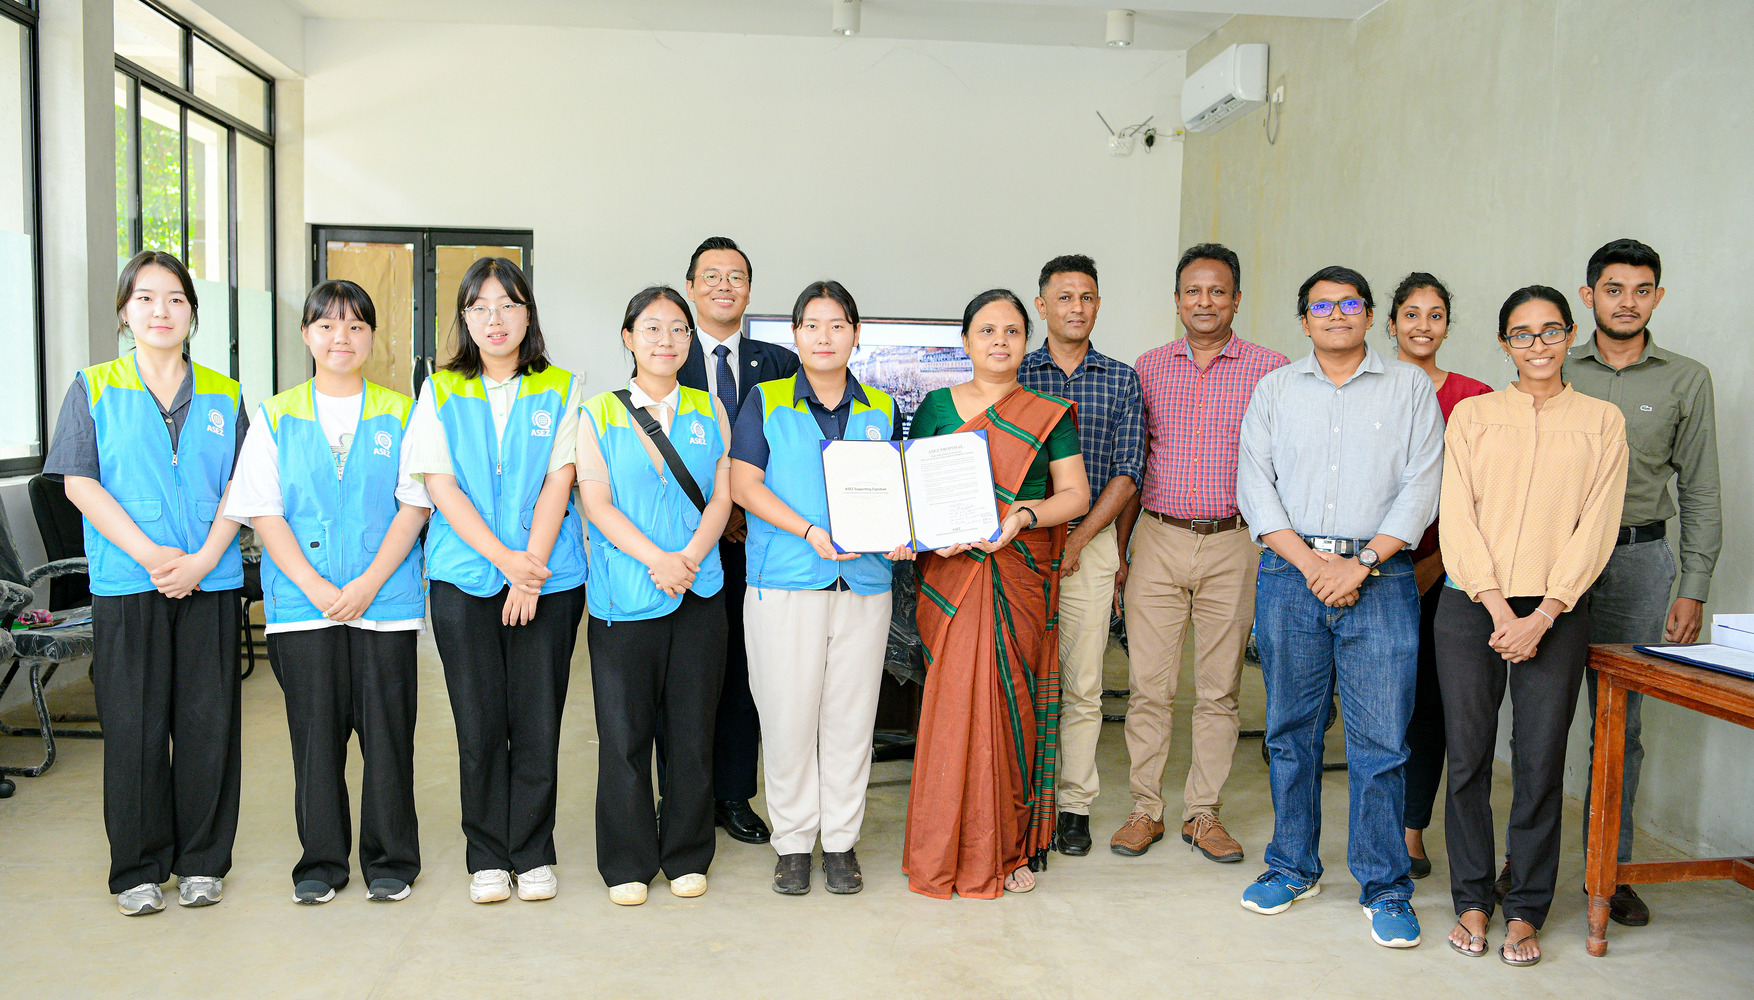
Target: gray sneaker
(199, 890)
(385, 890)
(312, 891)
(142, 899)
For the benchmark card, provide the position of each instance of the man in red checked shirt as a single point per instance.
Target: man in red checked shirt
(1192, 560)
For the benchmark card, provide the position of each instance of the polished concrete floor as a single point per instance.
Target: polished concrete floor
(1166, 924)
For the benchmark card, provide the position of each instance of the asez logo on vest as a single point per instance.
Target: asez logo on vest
(696, 433)
(544, 422)
(216, 422)
(382, 440)
(873, 434)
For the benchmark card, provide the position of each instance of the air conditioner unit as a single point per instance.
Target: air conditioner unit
(1233, 84)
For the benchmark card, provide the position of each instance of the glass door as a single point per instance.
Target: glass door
(412, 276)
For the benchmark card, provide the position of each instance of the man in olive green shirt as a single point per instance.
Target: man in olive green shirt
(1671, 432)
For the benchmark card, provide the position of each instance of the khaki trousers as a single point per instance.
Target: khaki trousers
(815, 669)
(1085, 601)
(1178, 576)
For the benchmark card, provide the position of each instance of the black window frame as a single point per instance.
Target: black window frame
(182, 94)
(25, 15)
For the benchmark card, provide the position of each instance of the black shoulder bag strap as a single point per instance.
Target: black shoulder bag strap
(665, 448)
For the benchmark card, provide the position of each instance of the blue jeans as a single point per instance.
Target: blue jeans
(1371, 652)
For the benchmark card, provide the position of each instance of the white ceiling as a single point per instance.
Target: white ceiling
(1171, 25)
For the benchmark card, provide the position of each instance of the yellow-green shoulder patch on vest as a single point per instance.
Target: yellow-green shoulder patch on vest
(210, 383)
(120, 373)
(294, 402)
(380, 400)
(552, 378)
(446, 383)
(694, 401)
(606, 411)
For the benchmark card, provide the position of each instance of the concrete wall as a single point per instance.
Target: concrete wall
(1497, 143)
(917, 173)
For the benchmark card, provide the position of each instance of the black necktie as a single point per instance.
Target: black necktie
(727, 383)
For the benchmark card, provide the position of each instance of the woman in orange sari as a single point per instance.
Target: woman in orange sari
(981, 809)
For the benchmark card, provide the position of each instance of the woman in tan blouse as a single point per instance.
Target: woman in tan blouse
(1533, 479)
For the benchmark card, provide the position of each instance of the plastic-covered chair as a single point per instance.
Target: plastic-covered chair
(39, 652)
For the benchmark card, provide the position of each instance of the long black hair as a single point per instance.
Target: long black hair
(532, 353)
(131, 275)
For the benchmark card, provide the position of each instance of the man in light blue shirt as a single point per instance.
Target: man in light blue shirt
(1337, 475)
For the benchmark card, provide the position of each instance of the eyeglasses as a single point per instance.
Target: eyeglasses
(1548, 335)
(506, 310)
(654, 333)
(712, 276)
(1324, 308)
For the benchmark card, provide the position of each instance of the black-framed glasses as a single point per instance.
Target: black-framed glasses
(1548, 335)
(712, 276)
(1323, 308)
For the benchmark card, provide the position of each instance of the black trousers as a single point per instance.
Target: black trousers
(1425, 741)
(660, 676)
(737, 733)
(165, 673)
(1543, 696)
(339, 681)
(507, 685)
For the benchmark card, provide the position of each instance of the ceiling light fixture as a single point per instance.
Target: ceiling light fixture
(1120, 28)
(846, 17)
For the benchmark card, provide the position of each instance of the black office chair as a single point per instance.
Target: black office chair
(63, 532)
(40, 651)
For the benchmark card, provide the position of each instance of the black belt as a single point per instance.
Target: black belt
(1201, 525)
(1632, 534)
(1337, 546)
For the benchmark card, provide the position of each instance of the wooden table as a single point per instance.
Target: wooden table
(1623, 669)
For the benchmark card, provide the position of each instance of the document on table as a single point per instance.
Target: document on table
(1725, 659)
(867, 496)
(926, 492)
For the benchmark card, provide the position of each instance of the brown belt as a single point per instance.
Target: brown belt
(1201, 526)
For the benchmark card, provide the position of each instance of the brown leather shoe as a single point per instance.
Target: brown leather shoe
(1206, 833)
(1136, 835)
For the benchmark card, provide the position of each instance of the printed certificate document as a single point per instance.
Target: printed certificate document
(925, 492)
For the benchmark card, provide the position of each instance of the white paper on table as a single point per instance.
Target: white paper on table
(950, 490)
(1728, 659)
(867, 496)
(1733, 630)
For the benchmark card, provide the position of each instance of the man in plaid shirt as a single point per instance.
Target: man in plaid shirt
(1110, 433)
(1192, 559)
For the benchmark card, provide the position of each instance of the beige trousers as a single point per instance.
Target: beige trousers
(1178, 577)
(1086, 598)
(815, 668)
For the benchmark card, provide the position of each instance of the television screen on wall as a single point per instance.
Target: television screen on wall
(906, 358)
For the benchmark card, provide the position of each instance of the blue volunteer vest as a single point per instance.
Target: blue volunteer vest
(340, 523)
(778, 559)
(620, 588)
(502, 476)
(172, 494)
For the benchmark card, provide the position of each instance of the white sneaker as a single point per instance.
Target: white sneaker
(688, 886)
(537, 883)
(628, 893)
(144, 898)
(490, 885)
(199, 890)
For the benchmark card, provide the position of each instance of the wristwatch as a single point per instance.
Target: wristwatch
(1368, 558)
(1033, 520)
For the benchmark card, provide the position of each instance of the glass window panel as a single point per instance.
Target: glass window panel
(161, 174)
(209, 259)
(149, 40)
(220, 79)
(255, 293)
(19, 423)
(124, 166)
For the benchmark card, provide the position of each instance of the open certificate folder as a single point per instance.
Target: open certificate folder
(926, 493)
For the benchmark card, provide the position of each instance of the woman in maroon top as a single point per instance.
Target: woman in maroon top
(1419, 322)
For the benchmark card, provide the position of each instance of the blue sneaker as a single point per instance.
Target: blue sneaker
(1274, 892)
(1393, 924)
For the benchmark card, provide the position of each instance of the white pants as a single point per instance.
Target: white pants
(815, 668)
(1086, 600)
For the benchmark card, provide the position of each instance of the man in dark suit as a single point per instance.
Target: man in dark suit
(723, 362)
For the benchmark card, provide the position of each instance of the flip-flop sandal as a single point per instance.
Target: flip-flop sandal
(1504, 956)
(1471, 951)
(1027, 888)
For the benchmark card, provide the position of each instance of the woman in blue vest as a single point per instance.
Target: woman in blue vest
(493, 436)
(320, 478)
(145, 445)
(655, 479)
(817, 619)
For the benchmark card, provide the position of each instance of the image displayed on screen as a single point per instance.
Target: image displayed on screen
(906, 358)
